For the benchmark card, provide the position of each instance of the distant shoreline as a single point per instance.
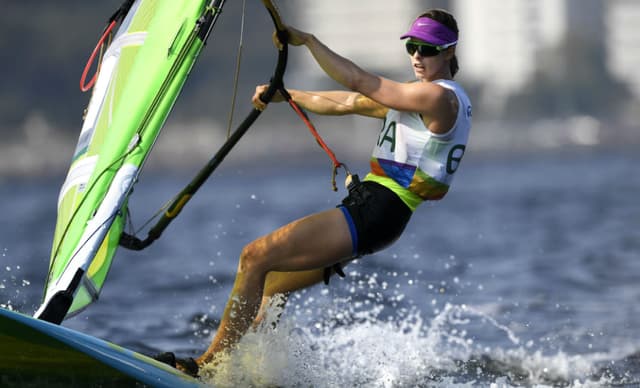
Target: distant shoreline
(44, 151)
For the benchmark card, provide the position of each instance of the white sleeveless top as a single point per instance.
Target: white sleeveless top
(414, 162)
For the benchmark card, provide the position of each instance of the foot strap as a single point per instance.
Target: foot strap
(186, 365)
(328, 271)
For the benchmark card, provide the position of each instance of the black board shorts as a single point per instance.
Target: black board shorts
(376, 217)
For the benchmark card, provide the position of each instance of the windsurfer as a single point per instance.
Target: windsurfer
(424, 135)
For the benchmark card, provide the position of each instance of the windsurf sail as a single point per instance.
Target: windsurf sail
(140, 76)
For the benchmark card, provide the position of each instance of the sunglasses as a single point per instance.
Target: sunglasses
(424, 49)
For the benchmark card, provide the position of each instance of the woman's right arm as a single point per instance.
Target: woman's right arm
(331, 103)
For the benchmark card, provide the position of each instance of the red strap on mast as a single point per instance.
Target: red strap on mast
(87, 86)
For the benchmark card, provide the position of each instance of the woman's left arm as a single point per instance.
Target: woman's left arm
(427, 98)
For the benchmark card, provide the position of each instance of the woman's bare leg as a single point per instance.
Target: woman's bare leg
(311, 243)
(287, 282)
(282, 284)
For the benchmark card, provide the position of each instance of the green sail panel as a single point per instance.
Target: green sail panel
(141, 75)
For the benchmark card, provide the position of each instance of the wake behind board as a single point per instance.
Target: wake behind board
(35, 353)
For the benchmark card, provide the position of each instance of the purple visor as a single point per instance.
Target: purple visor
(432, 31)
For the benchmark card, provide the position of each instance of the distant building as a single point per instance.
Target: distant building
(623, 41)
(502, 41)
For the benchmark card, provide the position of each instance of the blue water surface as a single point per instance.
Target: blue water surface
(527, 273)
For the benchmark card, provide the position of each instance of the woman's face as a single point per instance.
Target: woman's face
(428, 61)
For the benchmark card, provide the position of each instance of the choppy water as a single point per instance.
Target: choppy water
(526, 274)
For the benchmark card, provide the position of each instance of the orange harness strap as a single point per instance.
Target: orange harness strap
(305, 118)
